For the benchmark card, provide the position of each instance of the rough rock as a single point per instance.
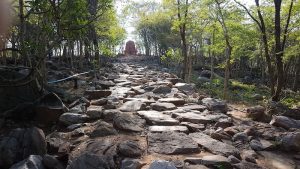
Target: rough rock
(290, 141)
(156, 129)
(193, 127)
(129, 122)
(102, 129)
(213, 145)
(175, 101)
(162, 89)
(171, 143)
(97, 94)
(99, 102)
(94, 112)
(132, 106)
(185, 87)
(211, 160)
(249, 155)
(157, 118)
(261, 144)
(110, 114)
(163, 106)
(19, 144)
(106, 84)
(215, 105)
(203, 118)
(51, 162)
(285, 122)
(247, 165)
(73, 118)
(233, 160)
(130, 149)
(194, 107)
(89, 161)
(256, 112)
(243, 137)
(32, 162)
(129, 163)
(161, 164)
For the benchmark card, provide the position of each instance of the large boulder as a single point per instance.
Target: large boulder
(213, 145)
(285, 122)
(162, 164)
(215, 105)
(186, 88)
(290, 141)
(73, 118)
(130, 149)
(19, 144)
(32, 162)
(132, 106)
(89, 161)
(129, 122)
(171, 143)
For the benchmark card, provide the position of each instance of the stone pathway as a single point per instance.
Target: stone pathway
(141, 116)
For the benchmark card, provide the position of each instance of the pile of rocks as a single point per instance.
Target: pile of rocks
(136, 113)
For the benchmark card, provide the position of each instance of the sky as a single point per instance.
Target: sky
(121, 4)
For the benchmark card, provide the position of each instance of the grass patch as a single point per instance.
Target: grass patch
(244, 93)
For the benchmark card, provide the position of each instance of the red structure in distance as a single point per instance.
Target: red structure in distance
(130, 48)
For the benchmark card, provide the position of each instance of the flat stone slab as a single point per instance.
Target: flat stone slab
(213, 145)
(193, 127)
(132, 106)
(176, 101)
(171, 143)
(157, 118)
(203, 118)
(156, 129)
(210, 160)
(129, 122)
(163, 106)
(194, 107)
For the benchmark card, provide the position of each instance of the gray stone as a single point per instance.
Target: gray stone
(249, 155)
(290, 141)
(102, 129)
(106, 84)
(215, 105)
(233, 160)
(285, 122)
(243, 137)
(203, 118)
(261, 144)
(211, 160)
(94, 112)
(73, 118)
(157, 118)
(130, 149)
(129, 163)
(247, 165)
(187, 166)
(132, 106)
(19, 144)
(129, 122)
(97, 94)
(256, 112)
(89, 161)
(194, 107)
(161, 164)
(193, 127)
(32, 162)
(213, 145)
(171, 143)
(74, 126)
(162, 89)
(163, 106)
(185, 87)
(110, 114)
(51, 162)
(156, 129)
(99, 102)
(175, 101)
